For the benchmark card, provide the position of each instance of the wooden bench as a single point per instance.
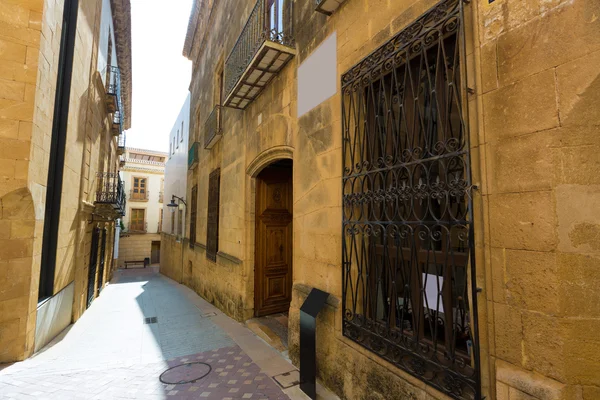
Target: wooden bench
(137, 262)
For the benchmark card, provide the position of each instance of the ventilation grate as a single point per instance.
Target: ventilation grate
(150, 320)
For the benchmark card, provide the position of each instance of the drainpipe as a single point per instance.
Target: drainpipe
(57, 149)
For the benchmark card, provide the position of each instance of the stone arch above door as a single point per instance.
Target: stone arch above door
(267, 157)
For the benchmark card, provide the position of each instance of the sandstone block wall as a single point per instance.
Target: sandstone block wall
(136, 247)
(29, 50)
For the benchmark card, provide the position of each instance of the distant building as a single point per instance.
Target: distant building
(61, 135)
(176, 172)
(143, 177)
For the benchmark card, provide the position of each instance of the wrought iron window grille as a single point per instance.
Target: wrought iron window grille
(409, 288)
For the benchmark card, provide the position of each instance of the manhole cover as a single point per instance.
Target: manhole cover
(185, 373)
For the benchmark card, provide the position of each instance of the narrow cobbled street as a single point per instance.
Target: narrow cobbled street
(117, 351)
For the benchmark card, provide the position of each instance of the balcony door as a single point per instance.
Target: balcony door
(138, 220)
(274, 18)
(139, 189)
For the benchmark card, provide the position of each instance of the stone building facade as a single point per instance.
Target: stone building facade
(429, 164)
(57, 240)
(143, 175)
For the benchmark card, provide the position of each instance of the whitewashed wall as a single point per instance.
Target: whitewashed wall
(176, 169)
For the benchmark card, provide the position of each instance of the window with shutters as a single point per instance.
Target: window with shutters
(193, 215)
(212, 224)
(140, 189)
(172, 223)
(407, 211)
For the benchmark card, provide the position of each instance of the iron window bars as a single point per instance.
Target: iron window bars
(409, 291)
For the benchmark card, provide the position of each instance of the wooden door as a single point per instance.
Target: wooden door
(273, 258)
(155, 256)
(137, 220)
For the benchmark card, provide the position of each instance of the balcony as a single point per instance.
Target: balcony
(137, 227)
(136, 195)
(121, 161)
(212, 128)
(193, 156)
(110, 196)
(327, 7)
(265, 45)
(121, 144)
(117, 123)
(113, 89)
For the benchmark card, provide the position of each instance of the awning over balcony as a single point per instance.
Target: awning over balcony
(265, 45)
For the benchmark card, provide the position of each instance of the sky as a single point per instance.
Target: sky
(161, 74)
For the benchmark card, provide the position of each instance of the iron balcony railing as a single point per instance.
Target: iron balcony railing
(193, 155)
(113, 89)
(212, 128)
(138, 227)
(133, 196)
(111, 190)
(274, 26)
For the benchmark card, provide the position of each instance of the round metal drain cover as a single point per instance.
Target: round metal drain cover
(185, 373)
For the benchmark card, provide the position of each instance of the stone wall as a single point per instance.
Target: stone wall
(537, 98)
(20, 44)
(28, 73)
(136, 247)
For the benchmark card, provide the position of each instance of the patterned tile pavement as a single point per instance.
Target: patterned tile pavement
(110, 353)
(233, 376)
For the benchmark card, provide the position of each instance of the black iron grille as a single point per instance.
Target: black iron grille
(408, 270)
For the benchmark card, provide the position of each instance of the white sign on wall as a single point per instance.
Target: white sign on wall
(317, 76)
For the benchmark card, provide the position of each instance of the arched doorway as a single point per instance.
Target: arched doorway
(273, 272)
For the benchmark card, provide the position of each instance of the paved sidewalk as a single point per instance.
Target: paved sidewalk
(112, 352)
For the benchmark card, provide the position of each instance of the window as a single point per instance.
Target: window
(193, 213)
(406, 206)
(172, 223)
(274, 17)
(177, 140)
(139, 191)
(212, 223)
(180, 223)
(181, 138)
(170, 148)
(138, 220)
(160, 220)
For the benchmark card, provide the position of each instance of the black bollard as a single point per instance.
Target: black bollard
(308, 350)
